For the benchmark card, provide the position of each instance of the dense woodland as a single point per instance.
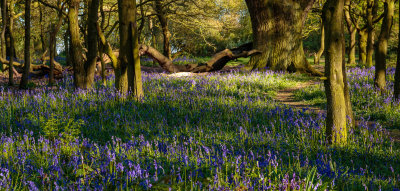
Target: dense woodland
(80, 112)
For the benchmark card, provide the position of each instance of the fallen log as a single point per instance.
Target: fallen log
(217, 62)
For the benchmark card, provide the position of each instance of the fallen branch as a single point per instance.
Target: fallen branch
(217, 62)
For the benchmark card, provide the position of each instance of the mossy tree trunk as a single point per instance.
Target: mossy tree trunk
(54, 28)
(3, 31)
(381, 49)
(336, 129)
(129, 49)
(362, 46)
(277, 33)
(27, 52)
(76, 46)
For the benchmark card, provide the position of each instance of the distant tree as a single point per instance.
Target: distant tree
(353, 34)
(27, 52)
(11, 36)
(277, 33)
(382, 48)
(336, 130)
(129, 49)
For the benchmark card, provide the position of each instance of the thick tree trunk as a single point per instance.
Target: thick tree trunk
(76, 47)
(217, 62)
(164, 26)
(362, 46)
(353, 33)
(277, 33)
(336, 130)
(318, 55)
(27, 52)
(396, 90)
(129, 54)
(92, 37)
(381, 50)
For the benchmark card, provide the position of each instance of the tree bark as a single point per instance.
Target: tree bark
(11, 25)
(277, 33)
(3, 30)
(217, 62)
(164, 26)
(336, 130)
(129, 59)
(55, 27)
(76, 47)
(353, 33)
(318, 55)
(362, 46)
(92, 37)
(381, 50)
(372, 6)
(396, 90)
(27, 52)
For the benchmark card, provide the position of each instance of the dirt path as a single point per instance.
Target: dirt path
(286, 96)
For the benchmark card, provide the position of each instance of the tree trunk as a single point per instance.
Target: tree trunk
(27, 52)
(165, 30)
(66, 48)
(396, 90)
(92, 37)
(336, 130)
(353, 32)
(76, 47)
(371, 14)
(318, 55)
(277, 33)
(3, 30)
(381, 52)
(55, 27)
(362, 46)
(129, 54)
(11, 25)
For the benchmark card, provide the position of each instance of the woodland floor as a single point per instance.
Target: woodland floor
(285, 96)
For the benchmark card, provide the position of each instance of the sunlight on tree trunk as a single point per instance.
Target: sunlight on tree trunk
(382, 48)
(318, 55)
(336, 130)
(129, 49)
(277, 32)
(396, 96)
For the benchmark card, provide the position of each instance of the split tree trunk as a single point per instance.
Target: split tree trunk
(27, 53)
(353, 33)
(336, 130)
(277, 33)
(55, 27)
(129, 54)
(372, 6)
(164, 26)
(381, 50)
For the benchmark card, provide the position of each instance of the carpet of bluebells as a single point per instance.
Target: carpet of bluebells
(213, 132)
(368, 103)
